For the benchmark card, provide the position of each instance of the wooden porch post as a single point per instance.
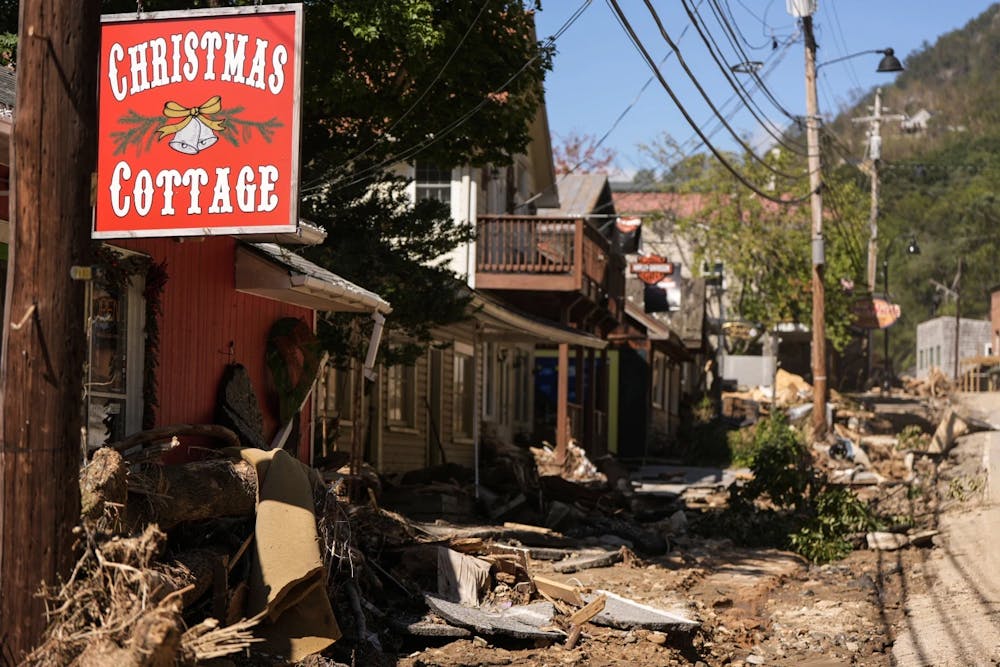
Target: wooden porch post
(590, 407)
(562, 402)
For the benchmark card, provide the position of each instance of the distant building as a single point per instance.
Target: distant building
(917, 122)
(936, 343)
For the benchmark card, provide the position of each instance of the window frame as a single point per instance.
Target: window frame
(463, 394)
(133, 365)
(401, 395)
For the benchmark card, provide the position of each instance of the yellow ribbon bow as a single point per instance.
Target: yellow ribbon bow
(174, 110)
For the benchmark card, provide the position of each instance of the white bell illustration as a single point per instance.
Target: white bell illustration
(194, 138)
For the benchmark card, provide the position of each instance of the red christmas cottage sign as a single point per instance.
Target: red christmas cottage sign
(199, 122)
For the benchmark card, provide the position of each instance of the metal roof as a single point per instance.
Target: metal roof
(304, 283)
(581, 195)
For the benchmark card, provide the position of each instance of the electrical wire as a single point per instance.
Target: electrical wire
(838, 29)
(731, 38)
(627, 26)
(680, 59)
(412, 151)
(740, 31)
(388, 131)
(729, 116)
(738, 86)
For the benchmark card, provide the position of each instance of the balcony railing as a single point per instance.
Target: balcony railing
(558, 254)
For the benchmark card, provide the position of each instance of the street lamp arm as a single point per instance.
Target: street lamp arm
(889, 62)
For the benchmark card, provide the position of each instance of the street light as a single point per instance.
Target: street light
(889, 63)
(911, 249)
(804, 9)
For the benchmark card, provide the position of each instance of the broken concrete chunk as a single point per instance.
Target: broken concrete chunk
(625, 614)
(886, 541)
(461, 578)
(587, 560)
(951, 428)
(923, 538)
(524, 621)
(678, 523)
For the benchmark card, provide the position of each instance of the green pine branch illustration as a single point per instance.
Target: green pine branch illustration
(141, 130)
(245, 128)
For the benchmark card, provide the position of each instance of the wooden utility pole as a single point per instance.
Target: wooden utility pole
(818, 254)
(41, 369)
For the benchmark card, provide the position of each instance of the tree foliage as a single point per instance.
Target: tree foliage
(766, 247)
(581, 153)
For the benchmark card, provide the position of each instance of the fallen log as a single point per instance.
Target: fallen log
(170, 494)
(102, 482)
(161, 433)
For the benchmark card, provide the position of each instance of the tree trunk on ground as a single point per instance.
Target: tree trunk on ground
(190, 492)
(54, 150)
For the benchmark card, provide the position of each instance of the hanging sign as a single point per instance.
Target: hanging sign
(651, 269)
(198, 122)
(877, 313)
(625, 235)
(666, 294)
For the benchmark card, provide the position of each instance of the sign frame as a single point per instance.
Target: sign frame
(651, 269)
(874, 313)
(296, 144)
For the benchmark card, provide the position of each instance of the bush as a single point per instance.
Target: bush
(780, 464)
(837, 513)
(802, 513)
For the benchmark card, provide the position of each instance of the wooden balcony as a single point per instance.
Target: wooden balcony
(548, 255)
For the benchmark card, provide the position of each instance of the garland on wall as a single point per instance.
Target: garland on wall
(115, 272)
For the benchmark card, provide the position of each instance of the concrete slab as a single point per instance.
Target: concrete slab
(427, 627)
(523, 621)
(672, 481)
(625, 614)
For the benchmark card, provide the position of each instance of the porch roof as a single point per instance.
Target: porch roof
(503, 323)
(273, 272)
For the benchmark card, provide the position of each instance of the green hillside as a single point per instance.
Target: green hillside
(942, 185)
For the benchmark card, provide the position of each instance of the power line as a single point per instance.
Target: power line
(843, 44)
(739, 31)
(388, 131)
(731, 38)
(705, 96)
(623, 21)
(432, 138)
(737, 85)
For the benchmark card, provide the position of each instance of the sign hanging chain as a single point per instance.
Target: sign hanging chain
(138, 9)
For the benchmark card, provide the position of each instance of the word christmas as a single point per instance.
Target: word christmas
(209, 55)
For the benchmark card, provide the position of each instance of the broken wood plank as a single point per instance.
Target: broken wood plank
(588, 560)
(593, 608)
(573, 637)
(467, 545)
(558, 590)
(527, 527)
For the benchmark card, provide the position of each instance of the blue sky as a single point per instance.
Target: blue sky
(598, 73)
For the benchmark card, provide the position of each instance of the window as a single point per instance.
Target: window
(659, 379)
(489, 380)
(432, 182)
(522, 386)
(115, 354)
(465, 370)
(335, 397)
(402, 381)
